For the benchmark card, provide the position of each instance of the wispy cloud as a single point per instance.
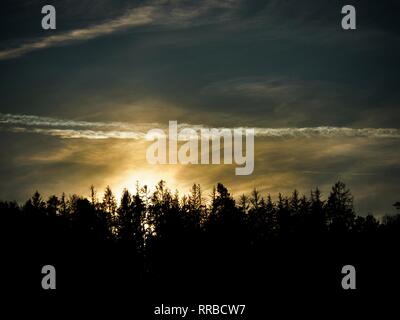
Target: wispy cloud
(83, 134)
(135, 18)
(343, 174)
(324, 131)
(74, 129)
(170, 13)
(32, 120)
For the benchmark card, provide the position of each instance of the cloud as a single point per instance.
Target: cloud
(286, 100)
(324, 131)
(73, 129)
(135, 18)
(100, 153)
(84, 134)
(167, 13)
(32, 120)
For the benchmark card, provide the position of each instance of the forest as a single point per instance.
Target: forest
(174, 246)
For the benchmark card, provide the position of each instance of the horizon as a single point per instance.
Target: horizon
(206, 195)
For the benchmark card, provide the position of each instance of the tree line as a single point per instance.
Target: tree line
(142, 217)
(156, 235)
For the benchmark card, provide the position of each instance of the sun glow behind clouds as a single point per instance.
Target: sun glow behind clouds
(149, 178)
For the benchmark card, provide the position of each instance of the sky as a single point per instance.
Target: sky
(77, 101)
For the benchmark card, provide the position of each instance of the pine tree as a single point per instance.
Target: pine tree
(340, 210)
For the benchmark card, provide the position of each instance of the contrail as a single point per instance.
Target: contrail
(153, 13)
(137, 17)
(75, 129)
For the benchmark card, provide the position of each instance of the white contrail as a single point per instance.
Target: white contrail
(154, 13)
(74, 129)
(32, 120)
(135, 18)
(325, 131)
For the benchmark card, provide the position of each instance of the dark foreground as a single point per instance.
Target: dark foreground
(280, 258)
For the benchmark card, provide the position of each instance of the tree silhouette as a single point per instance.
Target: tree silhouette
(152, 238)
(339, 207)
